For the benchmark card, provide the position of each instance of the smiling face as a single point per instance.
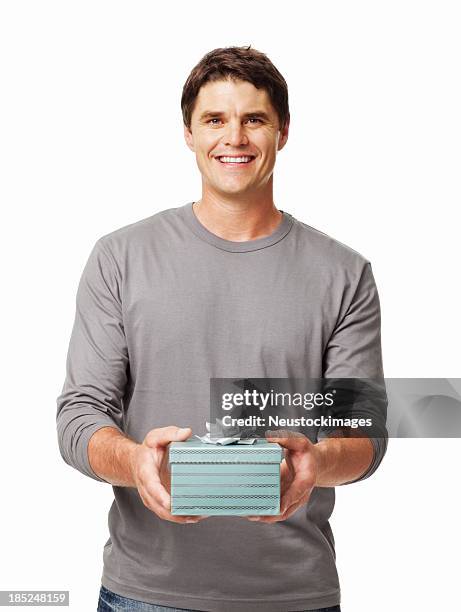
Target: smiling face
(235, 134)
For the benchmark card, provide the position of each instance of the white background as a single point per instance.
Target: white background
(91, 140)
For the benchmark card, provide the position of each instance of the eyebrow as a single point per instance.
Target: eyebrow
(210, 114)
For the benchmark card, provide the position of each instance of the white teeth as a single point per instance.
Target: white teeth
(235, 160)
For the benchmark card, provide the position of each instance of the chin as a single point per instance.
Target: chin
(232, 192)
(232, 189)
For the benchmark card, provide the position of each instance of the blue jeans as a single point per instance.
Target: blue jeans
(111, 602)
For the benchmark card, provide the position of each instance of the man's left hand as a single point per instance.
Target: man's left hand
(298, 473)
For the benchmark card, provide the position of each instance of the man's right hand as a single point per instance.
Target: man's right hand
(150, 473)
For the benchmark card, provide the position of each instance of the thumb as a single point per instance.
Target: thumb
(290, 440)
(182, 433)
(162, 436)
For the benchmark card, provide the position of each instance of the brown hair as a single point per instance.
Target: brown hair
(237, 63)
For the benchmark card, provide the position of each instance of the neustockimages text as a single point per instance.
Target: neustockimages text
(276, 421)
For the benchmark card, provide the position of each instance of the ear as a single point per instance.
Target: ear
(189, 138)
(284, 135)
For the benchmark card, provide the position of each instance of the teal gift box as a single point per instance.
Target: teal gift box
(230, 480)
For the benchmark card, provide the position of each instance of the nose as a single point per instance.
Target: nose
(235, 135)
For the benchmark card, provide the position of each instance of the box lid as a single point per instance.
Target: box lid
(195, 451)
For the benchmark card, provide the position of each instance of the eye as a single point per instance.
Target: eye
(214, 121)
(254, 120)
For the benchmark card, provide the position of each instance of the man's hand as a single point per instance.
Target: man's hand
(150, 473)
(331, 462)
(298, 474)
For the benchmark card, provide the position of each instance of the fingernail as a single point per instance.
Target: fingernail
(192, 521)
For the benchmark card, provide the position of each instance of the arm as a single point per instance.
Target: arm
(90, 407)
(342, 460)
(354, 350)
(329, 463)
(112, 455)
(124, 463)
(97, 362)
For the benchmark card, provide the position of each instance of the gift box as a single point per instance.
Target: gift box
(235, 480)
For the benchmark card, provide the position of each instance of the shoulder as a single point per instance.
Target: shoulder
(139, 229)
(326, 251)
(135, 236)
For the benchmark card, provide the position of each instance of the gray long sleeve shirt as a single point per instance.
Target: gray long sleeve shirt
(163, 305)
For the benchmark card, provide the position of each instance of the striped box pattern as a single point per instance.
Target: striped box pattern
(229, 480)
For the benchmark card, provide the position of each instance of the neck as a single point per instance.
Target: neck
(238, 218)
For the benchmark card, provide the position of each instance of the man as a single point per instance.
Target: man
(228, 286)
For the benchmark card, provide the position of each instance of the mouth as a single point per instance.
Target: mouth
(234, 160)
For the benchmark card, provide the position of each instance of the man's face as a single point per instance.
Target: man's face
(235, 134)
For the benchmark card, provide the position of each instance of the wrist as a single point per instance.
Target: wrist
(327, 454)
(131, 454)
(124, 461)
(318, 450)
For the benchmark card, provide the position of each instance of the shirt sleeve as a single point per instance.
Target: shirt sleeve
(354, 351)
(97, 362)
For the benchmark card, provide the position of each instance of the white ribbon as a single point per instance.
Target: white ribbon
(215, 432)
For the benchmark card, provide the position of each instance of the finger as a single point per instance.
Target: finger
(266, 518)
(286, 479)
(164, 435)
(291, 442)
(150, 482)
(149, 473)
(152, 504)
(295, 496)
(157, 495)
(287, 469)
(286, 466)
(283, 433)
(300, 476)
(284, 513)
(278, 517)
